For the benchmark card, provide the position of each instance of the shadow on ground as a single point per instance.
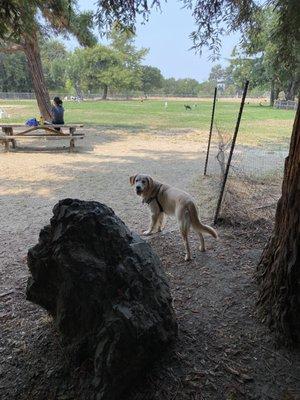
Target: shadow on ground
(223, 352)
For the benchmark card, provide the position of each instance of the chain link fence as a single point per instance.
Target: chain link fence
(253, 184)
(115, 95)
(111, 95)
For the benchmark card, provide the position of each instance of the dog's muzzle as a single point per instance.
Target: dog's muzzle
(138, 190)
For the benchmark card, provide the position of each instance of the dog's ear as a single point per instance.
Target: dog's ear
(132, 179)
(150, 182)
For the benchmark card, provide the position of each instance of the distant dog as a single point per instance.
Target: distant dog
(187, 107)
(166, 200)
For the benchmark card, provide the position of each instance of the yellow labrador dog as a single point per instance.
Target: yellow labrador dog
(166, 200)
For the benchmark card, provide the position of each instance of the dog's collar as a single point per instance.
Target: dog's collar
(156, 198)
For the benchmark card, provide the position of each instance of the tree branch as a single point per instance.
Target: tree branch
(11, 49)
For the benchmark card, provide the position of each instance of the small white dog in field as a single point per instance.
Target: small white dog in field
(166, 200)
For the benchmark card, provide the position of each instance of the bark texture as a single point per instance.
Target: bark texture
(291, 89)
(274, 93)
(107, 292)
(278, 271)
(32, 52)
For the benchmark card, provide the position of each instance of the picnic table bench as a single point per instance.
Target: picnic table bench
(11, 135)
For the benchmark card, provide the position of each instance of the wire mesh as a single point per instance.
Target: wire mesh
(254, 180)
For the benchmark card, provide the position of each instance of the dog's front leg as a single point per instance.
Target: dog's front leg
(160, 222)
(153, 222)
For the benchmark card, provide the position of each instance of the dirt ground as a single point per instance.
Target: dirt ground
(222, 352)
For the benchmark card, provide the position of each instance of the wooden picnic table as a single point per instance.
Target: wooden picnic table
(11, 135)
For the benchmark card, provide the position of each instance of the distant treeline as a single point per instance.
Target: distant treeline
(118, 68)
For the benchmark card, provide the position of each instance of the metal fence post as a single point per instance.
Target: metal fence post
(231, 152)
(210, 131)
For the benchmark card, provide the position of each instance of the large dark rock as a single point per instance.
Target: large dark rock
(106, 290)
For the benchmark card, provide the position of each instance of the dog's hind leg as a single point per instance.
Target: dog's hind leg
(199, 227)
(202, 244)
(184, 226)
(184, 234)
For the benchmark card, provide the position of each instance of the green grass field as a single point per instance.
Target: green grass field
(260, 124)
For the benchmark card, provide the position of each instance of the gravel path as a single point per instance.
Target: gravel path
(222, 353)
(32, 182)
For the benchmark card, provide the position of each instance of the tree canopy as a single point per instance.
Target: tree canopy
(21, 17)
(151, 79)
(257, 58)
(265, 48)
(213, 19)
(14, 74)
(22, 22)
(117, 66)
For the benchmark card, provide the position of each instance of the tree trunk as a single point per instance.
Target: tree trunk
(105, 90)
(272, 94)
(32, 52)
(78, 90)
(290, 91)
(278, 271)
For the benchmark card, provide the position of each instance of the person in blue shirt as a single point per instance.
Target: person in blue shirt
(57, 112)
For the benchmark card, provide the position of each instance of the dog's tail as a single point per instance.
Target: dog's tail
(197, 225)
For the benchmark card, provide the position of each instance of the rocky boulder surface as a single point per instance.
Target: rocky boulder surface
(106, 290)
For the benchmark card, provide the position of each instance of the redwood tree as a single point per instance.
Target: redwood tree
(23, 21)
(278, 271)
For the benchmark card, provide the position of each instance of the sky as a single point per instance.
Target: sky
(166, 34)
